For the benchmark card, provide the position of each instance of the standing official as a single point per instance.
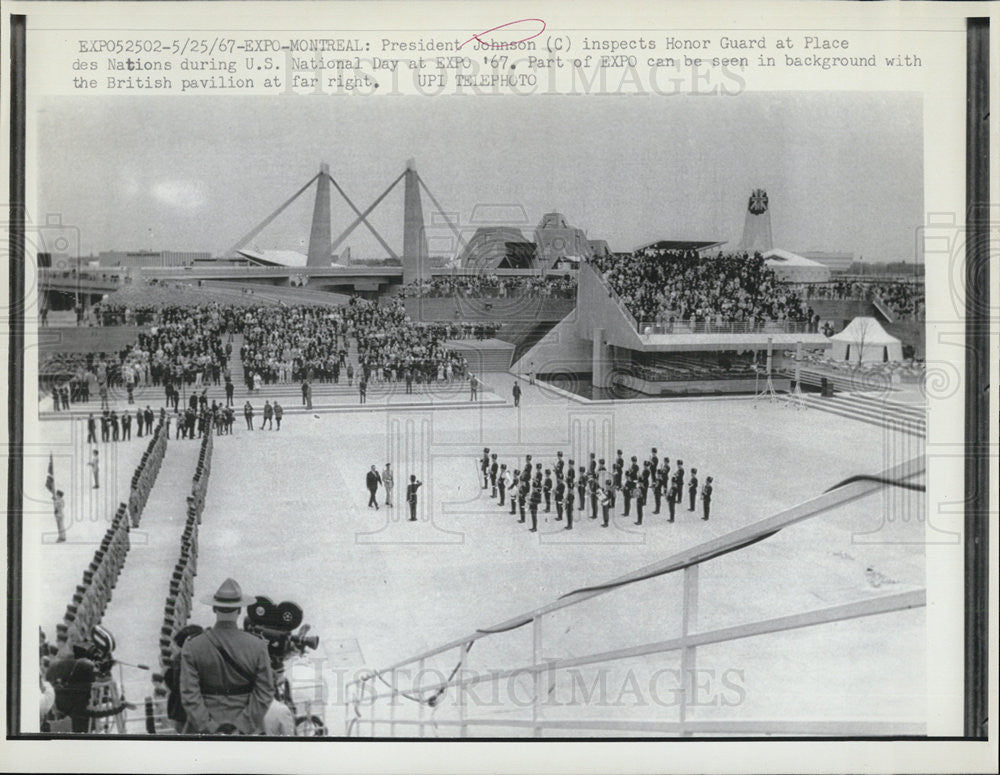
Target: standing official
(706, 497)
(517, 394)
(387, 482)
(547, 490)
(494, 472)
(692, 488)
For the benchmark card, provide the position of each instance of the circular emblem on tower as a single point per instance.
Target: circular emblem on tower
(758, 202)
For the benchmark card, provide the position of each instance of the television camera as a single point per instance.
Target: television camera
(288, 640)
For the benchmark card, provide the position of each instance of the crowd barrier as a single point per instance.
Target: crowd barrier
(91, 598)
(180, 595)
(145, 473)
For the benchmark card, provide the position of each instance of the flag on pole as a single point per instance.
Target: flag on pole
(50, 480)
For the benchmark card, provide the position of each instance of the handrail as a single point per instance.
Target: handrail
(728, 542)
(612, 293)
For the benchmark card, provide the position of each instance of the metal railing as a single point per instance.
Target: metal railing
(365, 715)
(682, 327)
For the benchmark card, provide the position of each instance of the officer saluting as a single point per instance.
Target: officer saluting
(226, 680)
(484, 465)
(706, 497)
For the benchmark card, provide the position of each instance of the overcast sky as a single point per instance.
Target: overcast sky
(843, 172)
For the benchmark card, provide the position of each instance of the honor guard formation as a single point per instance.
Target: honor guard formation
(574, 490)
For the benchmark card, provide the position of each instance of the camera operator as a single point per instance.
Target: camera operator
(73, 679)
(226, 679)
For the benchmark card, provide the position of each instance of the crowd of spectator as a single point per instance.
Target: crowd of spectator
(658, 285)
(301, 343)
(903, 297)
(490, 286)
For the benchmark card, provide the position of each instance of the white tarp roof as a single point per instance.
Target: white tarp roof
(787, 258)
(864, 340)
(865, 329)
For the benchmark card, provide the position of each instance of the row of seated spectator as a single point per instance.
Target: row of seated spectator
(656, 284)
(491, 286)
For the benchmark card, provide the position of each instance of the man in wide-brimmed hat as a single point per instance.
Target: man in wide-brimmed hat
(226, 678)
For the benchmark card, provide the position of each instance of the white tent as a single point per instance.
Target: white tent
(865, 341)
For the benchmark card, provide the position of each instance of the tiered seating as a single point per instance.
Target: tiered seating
(181, 590)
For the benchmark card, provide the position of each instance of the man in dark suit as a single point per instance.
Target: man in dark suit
(494, 470)
(569, 507)
(515, 486)
(673, 495)
(91, 429)
(372, 481)
(547, 490)
(560, 465)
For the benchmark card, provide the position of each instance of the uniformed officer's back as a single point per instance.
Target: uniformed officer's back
(226, 677)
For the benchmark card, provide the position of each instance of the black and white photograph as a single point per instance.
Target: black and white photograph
(428, 417)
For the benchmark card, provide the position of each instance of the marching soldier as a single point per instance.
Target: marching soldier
(494, 470)
(644, 480)
(534, 499)
(526, 471)
(706, 497)
(640, 501)
(692, 488)
(618, 468)
(503, 482)
(633, 470)
(569, 508)
(593, 485)
(547, 490)
(628, 489)
(673, 495)
(658, 487)
(560, 497)
(606, 502)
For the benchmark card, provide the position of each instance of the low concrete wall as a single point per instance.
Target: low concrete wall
(696, 387)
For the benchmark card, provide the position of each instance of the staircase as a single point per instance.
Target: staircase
(893, 415)
(484, 356)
